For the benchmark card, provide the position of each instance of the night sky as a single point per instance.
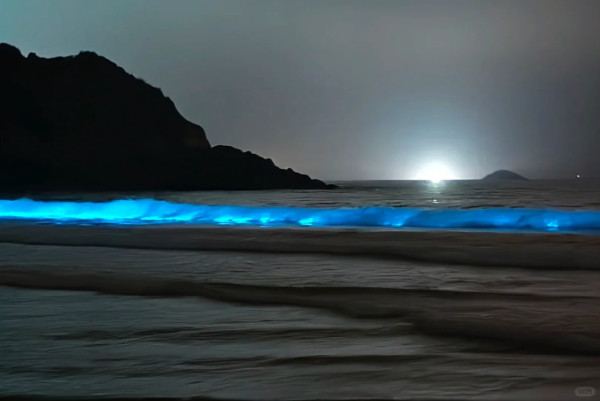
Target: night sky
(356, 89)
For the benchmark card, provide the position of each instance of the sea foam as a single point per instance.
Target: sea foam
(150, 211)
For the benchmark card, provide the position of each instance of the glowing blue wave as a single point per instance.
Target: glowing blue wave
(149, 211)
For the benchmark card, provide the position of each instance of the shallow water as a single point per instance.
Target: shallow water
(107, 322)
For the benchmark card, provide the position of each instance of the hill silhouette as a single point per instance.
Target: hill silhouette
(83, 123)
(501, 175)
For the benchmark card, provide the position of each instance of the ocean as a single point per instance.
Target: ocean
(380, 290)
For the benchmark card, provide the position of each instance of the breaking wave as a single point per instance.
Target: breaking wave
(520, 319)
(150, 211)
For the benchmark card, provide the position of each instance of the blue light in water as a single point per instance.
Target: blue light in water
(150, 211)
(265, 220)
(309, 221)
(233, 220)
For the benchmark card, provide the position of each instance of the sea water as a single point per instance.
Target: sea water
(285, 311)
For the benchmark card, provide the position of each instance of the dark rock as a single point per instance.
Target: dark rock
(502, 175)
(84, 123)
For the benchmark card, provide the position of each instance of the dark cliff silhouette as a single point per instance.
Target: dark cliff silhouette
(502, 175)
(83, 123)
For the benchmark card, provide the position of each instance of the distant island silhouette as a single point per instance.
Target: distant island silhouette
(83, 123)
(502, 175)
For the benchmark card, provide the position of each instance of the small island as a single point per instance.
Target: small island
(503, 175)
(82, 123)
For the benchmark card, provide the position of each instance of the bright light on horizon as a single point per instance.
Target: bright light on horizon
(435, 173)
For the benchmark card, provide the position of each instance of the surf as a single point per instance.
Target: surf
(152, 211)
(531, 250)
(559, 323)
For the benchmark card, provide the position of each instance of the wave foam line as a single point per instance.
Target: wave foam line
(150, 211)
(525, 249)
(565, 324)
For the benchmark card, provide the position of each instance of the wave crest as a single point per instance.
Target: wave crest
(150, 211)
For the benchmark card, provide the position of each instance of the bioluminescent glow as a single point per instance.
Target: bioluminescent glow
(150, 211)
(436, 173)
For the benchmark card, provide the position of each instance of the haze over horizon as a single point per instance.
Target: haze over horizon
(356, 89)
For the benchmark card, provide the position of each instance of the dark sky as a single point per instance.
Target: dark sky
(356, 89)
